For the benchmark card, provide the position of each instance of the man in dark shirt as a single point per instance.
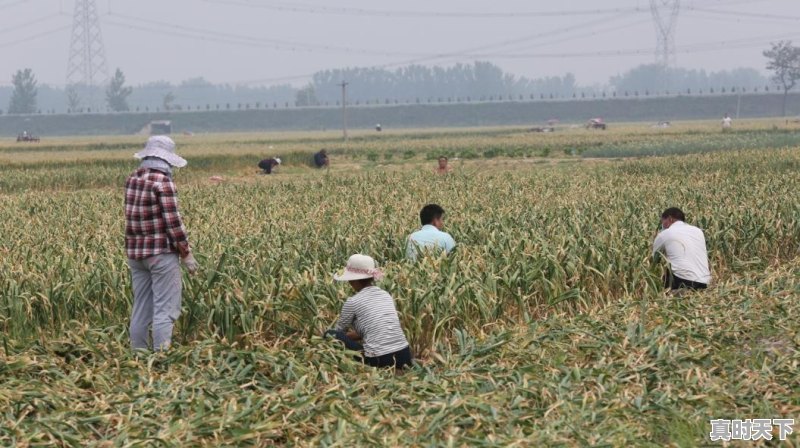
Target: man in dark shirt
(268, 164)
(321, 159)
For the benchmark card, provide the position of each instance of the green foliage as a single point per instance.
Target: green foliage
(697, 143)
(306, 96)
(73, 99)
(548, 325)
(117, 93)
(228, 119)
(492, 152)
(168, 102)
(784, 62)
(23, 98)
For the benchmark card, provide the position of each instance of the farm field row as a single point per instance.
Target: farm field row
(548, 324)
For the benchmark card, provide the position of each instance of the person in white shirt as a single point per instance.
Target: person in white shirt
(685, 249)
(727, 123)
(430, 238)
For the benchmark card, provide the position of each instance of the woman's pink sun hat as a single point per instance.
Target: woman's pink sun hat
(359, 267)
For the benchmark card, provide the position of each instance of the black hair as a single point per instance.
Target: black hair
(673, 212)
(429, 213)
(365, 281)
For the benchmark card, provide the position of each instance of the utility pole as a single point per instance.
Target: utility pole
(739, 104)
(344, 85)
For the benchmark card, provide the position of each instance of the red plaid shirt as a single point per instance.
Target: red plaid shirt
(153, 224)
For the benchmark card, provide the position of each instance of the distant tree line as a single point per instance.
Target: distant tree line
(418, 81)
(657, 78)
(480, 81)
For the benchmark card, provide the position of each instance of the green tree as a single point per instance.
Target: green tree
(784, 61)
(306, 96)
(117, 93)
(73, 99)
(168, 101)
(23, 99)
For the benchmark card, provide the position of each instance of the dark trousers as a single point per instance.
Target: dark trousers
(674, 282)
(399, 359)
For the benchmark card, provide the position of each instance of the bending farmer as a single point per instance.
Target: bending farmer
(155, 242)
(368, 322)
(685, 249)
(321, 159)
(267, 165)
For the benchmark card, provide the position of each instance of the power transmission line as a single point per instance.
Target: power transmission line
(699, 47)
(737, 20)
(471, 53)
(750, 15)
(587, 34)
(34, 37)
(29, 23)
(339, 10)
(205, 34)
(690, 48)
(456, 54)
(138, 23)
(12, 4)
(729, 2)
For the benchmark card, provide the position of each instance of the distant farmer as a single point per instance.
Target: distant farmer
(378, 127)
(267, 165)
(156, 243)
(430, 237)
(443, 167)
(685, 249)
(321, 159)
(727, 123)
(368, 322)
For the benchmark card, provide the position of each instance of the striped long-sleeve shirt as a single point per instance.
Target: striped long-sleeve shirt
(372, 314)
(153, 224)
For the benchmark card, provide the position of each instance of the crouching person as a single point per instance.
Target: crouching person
(156, 243)
(684, 246)
(268, 165)
(368, 322)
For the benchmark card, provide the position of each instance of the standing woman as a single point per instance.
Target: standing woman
(156, 243)
(368, 322)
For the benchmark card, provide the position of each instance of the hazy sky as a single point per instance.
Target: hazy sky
(262, 41)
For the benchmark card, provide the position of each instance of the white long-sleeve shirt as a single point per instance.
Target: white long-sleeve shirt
(685, 249)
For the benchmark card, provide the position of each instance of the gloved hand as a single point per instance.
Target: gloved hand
(190, 263)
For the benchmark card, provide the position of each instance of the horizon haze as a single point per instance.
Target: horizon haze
(263, 42)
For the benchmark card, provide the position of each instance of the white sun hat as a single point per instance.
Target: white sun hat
(162, 147)
(359, 267)
(278, 160)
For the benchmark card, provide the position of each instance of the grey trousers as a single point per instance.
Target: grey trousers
(156, 299)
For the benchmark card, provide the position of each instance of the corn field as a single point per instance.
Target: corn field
(547, 326)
